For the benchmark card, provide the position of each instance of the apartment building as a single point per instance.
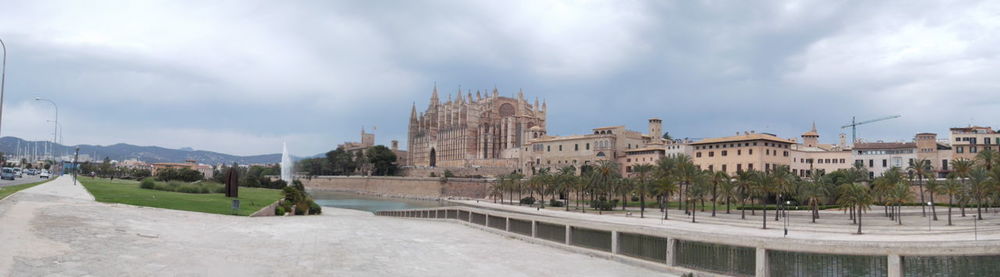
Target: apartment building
(749, 151)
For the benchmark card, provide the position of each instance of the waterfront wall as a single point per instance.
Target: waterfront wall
(709, 254)
(404, 187)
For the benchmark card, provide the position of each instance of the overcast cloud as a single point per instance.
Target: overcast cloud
(242, 76)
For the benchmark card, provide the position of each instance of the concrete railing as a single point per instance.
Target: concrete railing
(714, 254)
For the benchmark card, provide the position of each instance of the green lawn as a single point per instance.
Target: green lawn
(129, 192)
(8, 190)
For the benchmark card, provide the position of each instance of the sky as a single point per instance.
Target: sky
(241, 77)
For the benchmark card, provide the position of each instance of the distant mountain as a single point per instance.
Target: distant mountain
(149, 154)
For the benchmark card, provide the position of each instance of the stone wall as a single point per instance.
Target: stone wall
(405, 187)
(458, 171)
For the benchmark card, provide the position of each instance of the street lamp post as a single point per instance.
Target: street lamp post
(55, 127)
(929, 218)
(787, 203)
(3, 79)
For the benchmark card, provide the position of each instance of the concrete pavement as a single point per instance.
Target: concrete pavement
(57, 229)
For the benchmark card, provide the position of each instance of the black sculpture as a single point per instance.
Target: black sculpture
(232, 182)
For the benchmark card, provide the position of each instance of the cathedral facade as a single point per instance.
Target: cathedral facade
(472, 130)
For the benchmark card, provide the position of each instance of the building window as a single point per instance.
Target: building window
(723, 168)
(885, 163)
(711, 167)
(739, 167)
(819, 161)
(842, 161)
(786, 154)
(739, 152)
(697, 155)
(767, 152)
(588, 146)
(750, 166)
(960, 150)
(576, 147)
(560, 147)
(749, 151)
(972, 149)
(548, 148)
(724, 152)
(871, 163)
(711, 153)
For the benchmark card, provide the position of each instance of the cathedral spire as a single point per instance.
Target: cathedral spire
(413, 112)
(814, 126)
(434, 96)
(536, 107)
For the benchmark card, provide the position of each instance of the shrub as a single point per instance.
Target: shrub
(603, 204)
(528, 200)
(433, 175)
(279, 210)
(555, 203)
(448, 174)
(315, 208)
(189, 188)
(147, 183)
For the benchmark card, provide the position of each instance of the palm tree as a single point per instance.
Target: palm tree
(885, 186)
(988, 157)
(761, 189)
(858, 196)
(540, 183)
(697, 190)
(727, 190)
(899, 194)
(744, 188)
(782, 184)
(717, 179)
(811, 192)
(921, 168)
(962, 168)
(666, 186)
(933, 186)
(604, 176)
(951, 187)
(666, 170)
(567, 182)
(980, 188)
(686, 173)
(642, 173)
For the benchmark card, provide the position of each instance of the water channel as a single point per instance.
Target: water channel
(369, 203)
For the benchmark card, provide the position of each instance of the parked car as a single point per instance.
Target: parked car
(8, 174)
(44, 174)
(18, 173)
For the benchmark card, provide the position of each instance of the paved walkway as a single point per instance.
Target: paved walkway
(833, 225)
(56, 229)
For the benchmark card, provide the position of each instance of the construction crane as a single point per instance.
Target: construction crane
(854, 126)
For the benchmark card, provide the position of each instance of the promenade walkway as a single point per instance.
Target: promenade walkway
(832, 226)
(57, 229)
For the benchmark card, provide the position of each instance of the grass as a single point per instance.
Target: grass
(129, 192)
(8, 190)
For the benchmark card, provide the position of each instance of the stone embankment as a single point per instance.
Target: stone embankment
(403, 187)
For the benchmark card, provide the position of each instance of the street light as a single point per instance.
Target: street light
(3, 79)
(787, 203)
(929, 218)
(55, 127)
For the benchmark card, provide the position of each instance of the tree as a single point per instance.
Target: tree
(666, 171)
(761, 190)
(665, 186)
(812, 193)
(980, 186)
(782, 184)
(540, 183)
(921, 168)
(885, 189)
(987, 158)
(727, 190)
(933, 186)
(341, 162)
(951, 187)
(686, 174)
(697, 189)
(567, 181)
(744, 189)
(643, 173)
(962, 168)
(382, 159)
(858, 196)
(604, 175)
(718, 178)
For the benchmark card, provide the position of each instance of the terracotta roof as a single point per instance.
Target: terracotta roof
(644, 149)
(746, 137)
(812, 133)
(884, 145)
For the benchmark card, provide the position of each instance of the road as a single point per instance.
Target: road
(23, 180)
